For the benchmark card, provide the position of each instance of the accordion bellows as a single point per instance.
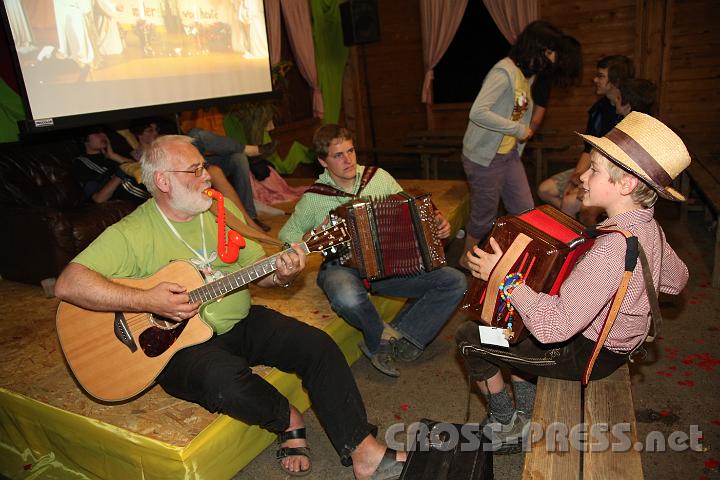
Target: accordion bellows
(391, 236)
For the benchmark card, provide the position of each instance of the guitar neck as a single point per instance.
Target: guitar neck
(233, 281)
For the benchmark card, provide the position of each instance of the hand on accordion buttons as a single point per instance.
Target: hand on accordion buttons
(482, 263)
(443, 226)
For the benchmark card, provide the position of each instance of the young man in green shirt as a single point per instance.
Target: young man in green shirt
(435, 294)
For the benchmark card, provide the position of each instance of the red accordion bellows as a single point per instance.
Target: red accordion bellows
(391, 236)
(543, 244)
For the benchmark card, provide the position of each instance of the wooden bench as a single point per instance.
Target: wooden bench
(427, 155)
(540, 145)
(450, 140)
(703, 178)
(560, 405)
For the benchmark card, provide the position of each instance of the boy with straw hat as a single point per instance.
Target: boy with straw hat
(630, 166)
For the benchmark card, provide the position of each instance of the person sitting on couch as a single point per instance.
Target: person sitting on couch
(100, 174)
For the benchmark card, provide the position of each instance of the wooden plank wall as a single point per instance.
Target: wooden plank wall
(690, 96)
(672, 42)
(395, 74)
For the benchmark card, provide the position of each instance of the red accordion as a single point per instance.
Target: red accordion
(543, 244)
(391, 236)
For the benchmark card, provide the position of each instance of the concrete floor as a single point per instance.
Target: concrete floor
(675, 387)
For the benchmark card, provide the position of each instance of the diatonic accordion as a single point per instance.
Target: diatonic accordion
(391, 236)
(543, 244)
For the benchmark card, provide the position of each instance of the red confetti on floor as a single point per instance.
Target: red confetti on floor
(711, 463)
(686, 383)
(703, 361)
(664, 413)
(671, 353)
(716, 422)
(27, 466)
(404, 407)
(398, 417)
(664, 374)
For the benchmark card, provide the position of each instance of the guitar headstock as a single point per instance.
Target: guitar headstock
(328, 237)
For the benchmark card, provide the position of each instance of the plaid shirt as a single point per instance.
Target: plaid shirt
(587, 293)
(312, 208)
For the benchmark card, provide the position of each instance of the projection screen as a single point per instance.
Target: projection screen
(79, 57)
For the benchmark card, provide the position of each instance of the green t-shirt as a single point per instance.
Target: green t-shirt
(142, 243)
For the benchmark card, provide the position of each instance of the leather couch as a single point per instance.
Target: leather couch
(45, 219)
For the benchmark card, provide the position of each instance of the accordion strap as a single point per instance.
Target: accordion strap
(631, 257)
(324, 189)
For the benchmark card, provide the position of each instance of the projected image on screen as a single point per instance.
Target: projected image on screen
(87, 56)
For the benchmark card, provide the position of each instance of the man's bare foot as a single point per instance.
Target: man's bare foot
(368, 456)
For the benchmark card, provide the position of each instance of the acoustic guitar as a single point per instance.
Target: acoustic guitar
(117, 355)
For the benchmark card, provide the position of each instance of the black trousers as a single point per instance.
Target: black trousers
(217, 375)
(530, 358)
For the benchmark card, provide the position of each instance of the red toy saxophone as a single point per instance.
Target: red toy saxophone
(228, 248)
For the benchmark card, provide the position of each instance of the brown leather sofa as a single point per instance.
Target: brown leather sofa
(45, 219)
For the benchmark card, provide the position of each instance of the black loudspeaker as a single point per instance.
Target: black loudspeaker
(360, 22)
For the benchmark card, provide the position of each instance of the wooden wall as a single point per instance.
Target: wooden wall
(395, 74)
(672, 42)
(690, 94)
(675, 43)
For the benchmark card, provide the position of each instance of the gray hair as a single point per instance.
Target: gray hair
(157, 157)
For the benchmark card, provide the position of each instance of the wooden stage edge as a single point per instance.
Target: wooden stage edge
(49, 427)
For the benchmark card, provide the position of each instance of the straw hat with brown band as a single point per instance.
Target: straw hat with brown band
(647, 148)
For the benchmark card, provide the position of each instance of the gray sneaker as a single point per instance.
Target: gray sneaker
(507, 438)
(382, 359)
(405, 351)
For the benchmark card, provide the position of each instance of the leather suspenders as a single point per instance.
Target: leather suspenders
(323, 189)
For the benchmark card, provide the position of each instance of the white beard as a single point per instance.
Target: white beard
(187, 201)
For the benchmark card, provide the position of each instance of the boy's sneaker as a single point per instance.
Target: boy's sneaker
(507, 438)
(406, 351)
(382, 359)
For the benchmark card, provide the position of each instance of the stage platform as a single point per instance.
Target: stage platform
(49, 428)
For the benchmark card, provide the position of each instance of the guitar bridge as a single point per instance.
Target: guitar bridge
(122, 332)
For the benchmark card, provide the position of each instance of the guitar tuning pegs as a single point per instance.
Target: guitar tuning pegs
(333, 249)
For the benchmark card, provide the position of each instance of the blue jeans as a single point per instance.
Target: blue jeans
(229, 155)
(433, 298)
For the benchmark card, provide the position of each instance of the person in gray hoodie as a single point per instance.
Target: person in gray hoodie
(498, 128)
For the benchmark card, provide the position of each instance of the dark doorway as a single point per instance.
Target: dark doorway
(477, 46)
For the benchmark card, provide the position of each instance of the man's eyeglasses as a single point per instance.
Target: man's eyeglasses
(197, 171)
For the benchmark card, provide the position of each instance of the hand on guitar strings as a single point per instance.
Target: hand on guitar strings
(171, 301)
(481, 263)
(289, 265)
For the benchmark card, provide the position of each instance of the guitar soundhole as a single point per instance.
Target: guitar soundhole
(155, 341)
